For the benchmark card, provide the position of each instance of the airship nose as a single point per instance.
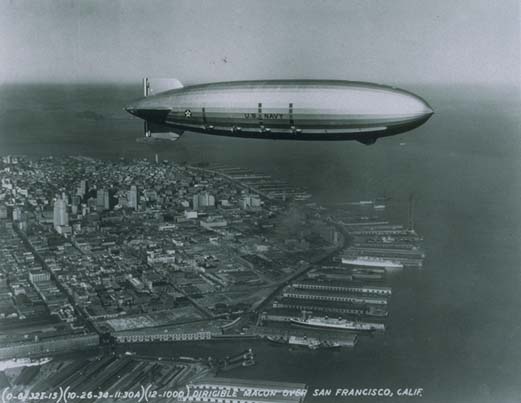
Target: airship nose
(427, 110)
(138, 107)
(420, 111)
(132, 109)
(424, 107)
(410, 110)
(149, 108)
(423, 113)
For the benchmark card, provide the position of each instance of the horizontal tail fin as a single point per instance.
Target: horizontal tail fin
(157, 133)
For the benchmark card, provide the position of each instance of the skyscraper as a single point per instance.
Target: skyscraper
(82, 189)
(133, 197)
(60, 218)
(102, 199)
(106, 200)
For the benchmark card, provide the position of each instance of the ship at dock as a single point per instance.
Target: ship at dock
(338, 324)
(313, 343)
(371, 261)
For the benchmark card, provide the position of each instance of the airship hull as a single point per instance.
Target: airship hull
(287, 109)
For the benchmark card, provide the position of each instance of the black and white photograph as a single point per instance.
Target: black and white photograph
(260, 201)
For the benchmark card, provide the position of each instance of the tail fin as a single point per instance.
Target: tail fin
(156, 132)
(159, 133)
(152, 86)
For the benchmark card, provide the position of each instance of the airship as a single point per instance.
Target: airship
(316, 110)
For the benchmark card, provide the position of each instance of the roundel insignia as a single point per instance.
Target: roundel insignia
(188, 113)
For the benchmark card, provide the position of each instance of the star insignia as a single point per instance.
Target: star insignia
(188, 113)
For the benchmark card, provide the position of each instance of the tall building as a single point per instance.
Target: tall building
(210, 200)
(3, 211)
(203, 199)
(60, 218)
(106, 200)
(82, 189)
(76, 201)
(133, 197)
(17, 214)
(102, 199)
(250, 202)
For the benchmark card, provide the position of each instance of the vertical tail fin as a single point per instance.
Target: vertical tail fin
(153, 86)
(146, 86)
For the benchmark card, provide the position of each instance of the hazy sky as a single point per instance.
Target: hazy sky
(391, 41)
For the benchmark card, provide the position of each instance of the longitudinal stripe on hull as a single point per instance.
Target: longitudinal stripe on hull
(309, 122)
